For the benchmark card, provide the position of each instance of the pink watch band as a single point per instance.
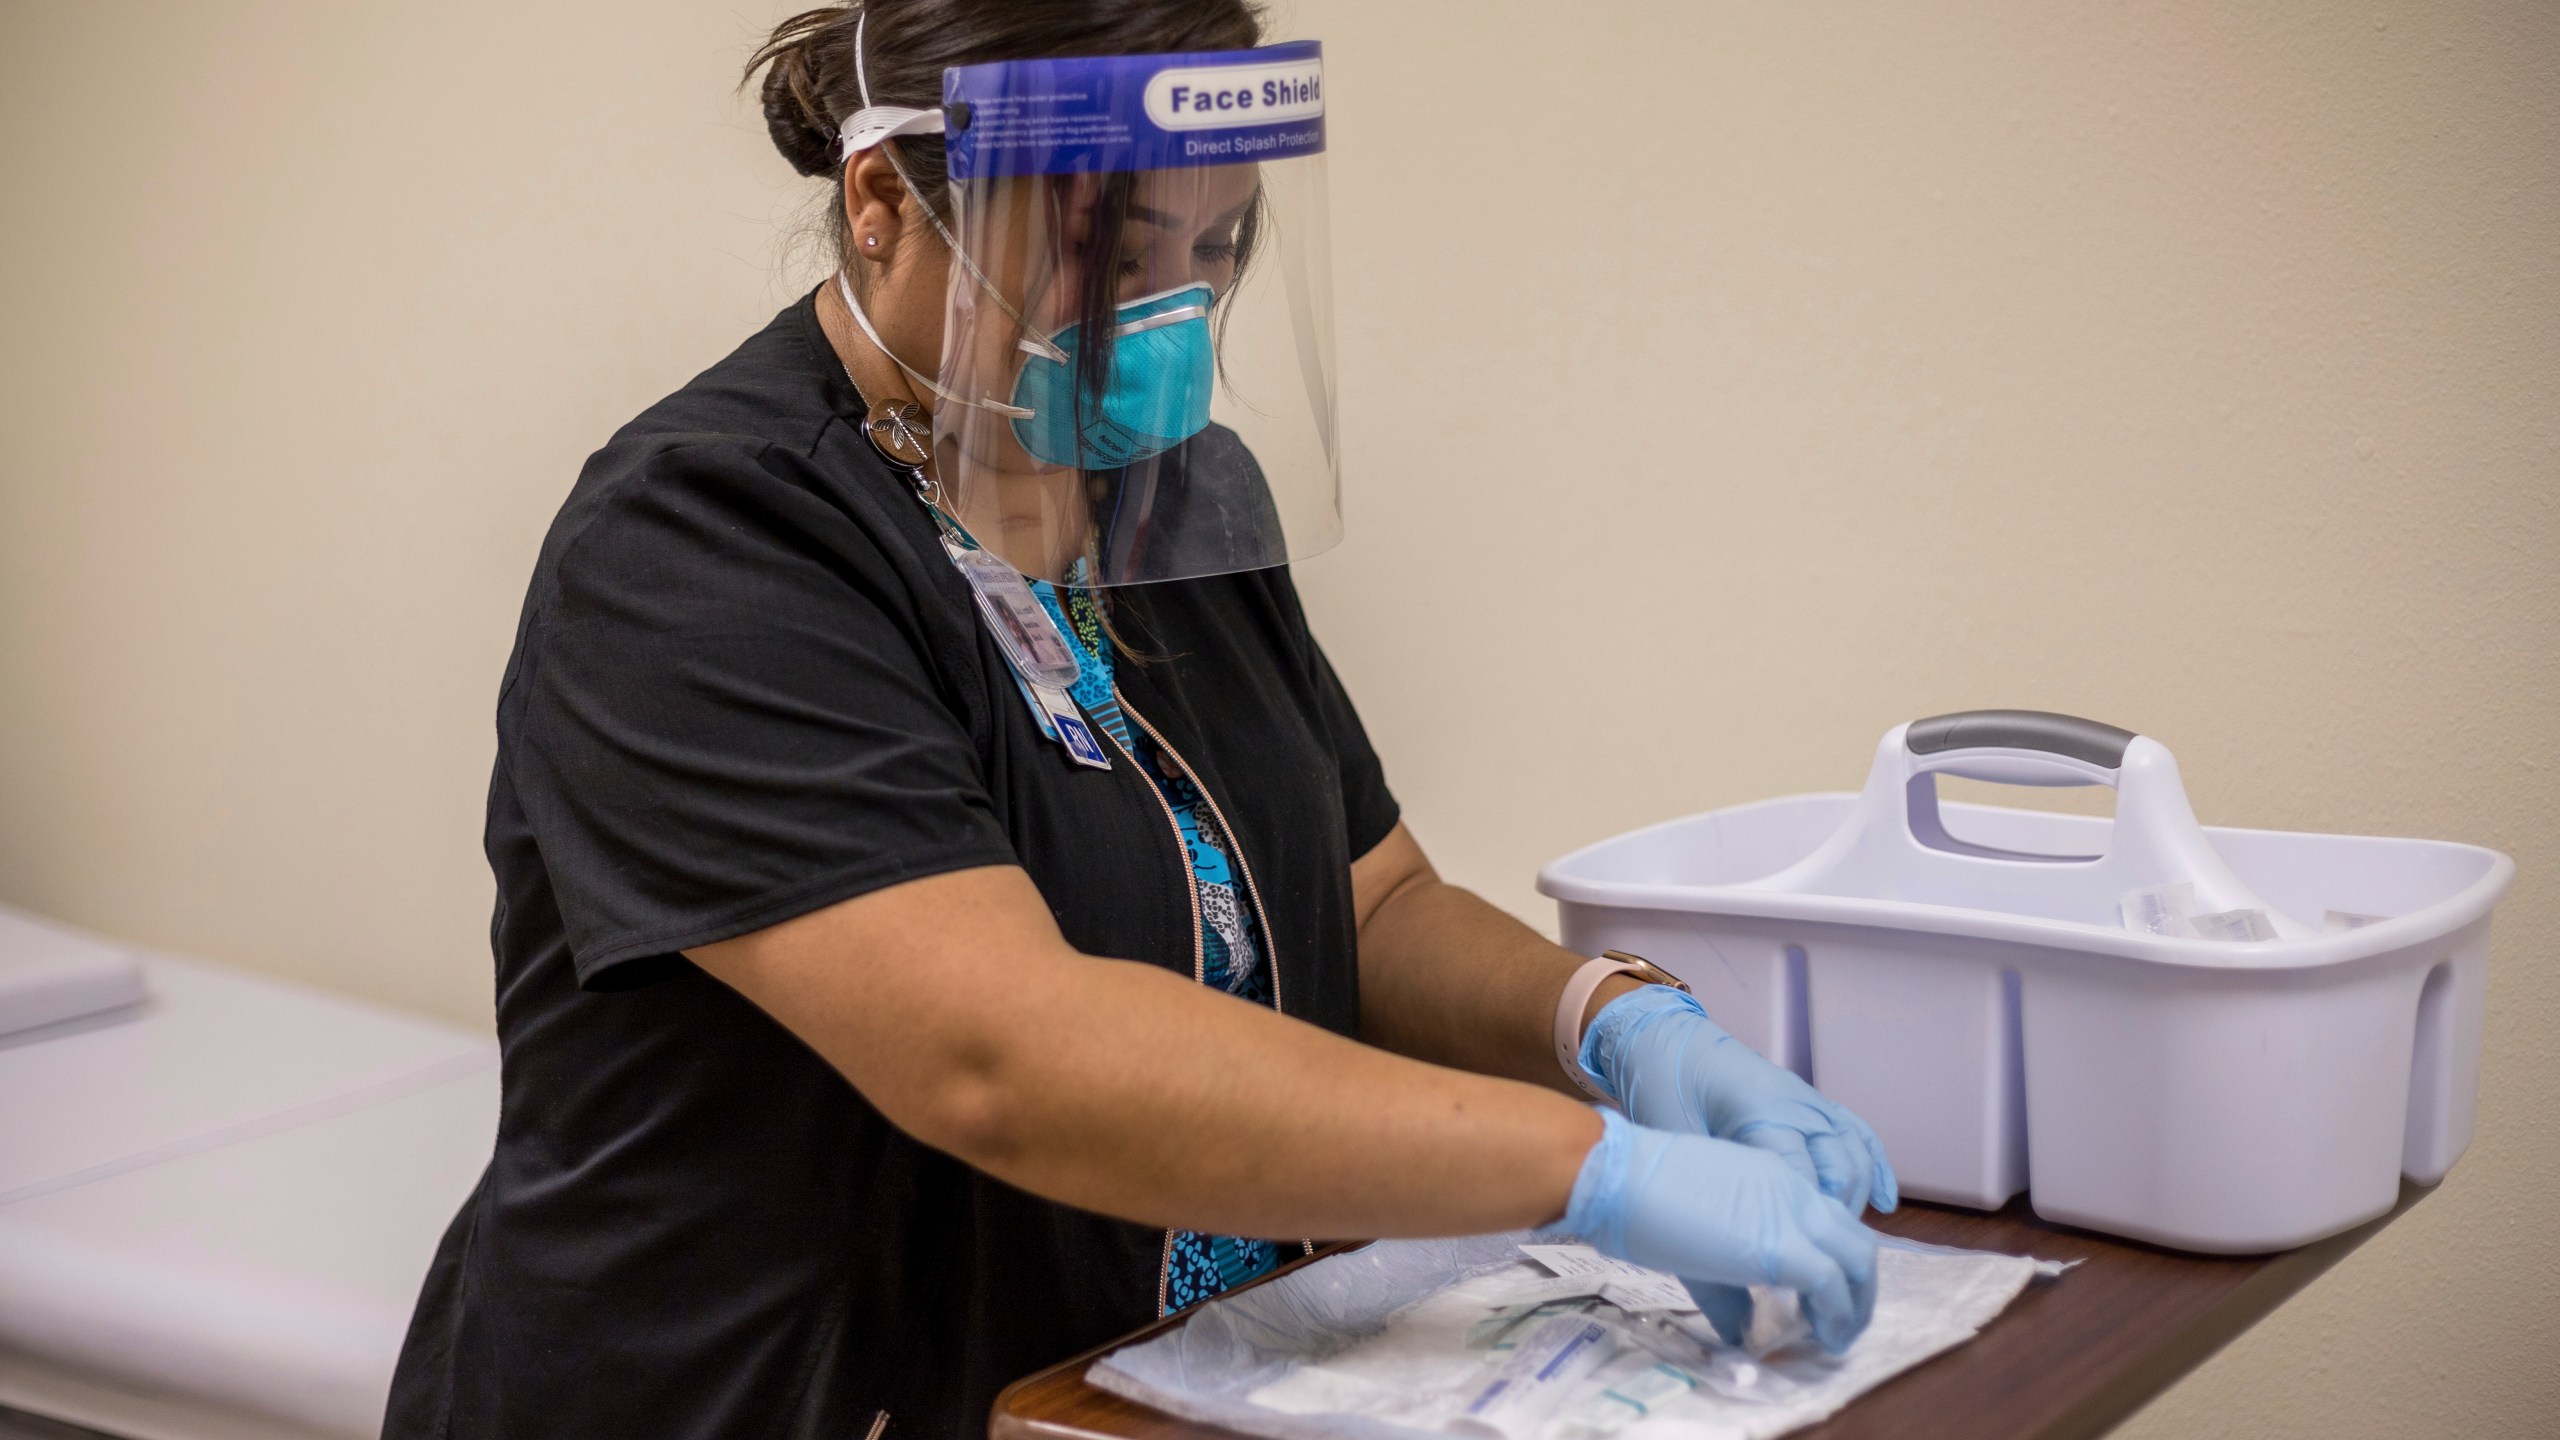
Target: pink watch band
(1569, 1008)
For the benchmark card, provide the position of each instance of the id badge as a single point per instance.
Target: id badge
(1067, 725)
(1023, 629)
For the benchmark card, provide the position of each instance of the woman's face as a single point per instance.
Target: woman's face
(1036, 243)
(1037, 240)
(1178, 228)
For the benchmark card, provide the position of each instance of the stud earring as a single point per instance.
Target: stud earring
(871, 242)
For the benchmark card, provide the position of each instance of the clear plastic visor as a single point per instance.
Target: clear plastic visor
(1140, 371)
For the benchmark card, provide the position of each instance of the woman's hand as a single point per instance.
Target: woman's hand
(1723, 1216)
(1668, 1066)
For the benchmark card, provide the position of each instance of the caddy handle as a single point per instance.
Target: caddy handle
(2091, 742)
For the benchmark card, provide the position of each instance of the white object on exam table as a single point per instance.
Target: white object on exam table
(50, 975)
(1375, 1345)
(215, 1215)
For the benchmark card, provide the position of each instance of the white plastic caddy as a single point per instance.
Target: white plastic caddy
(1959, 976)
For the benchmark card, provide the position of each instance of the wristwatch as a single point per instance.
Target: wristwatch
(1577, 996)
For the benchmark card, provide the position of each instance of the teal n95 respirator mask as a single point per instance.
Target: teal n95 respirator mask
(1155, 390)
(1136, 377)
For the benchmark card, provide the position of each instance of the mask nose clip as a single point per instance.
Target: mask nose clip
(1161, 319)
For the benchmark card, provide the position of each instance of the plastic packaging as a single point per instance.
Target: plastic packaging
(2244, 926)
(1466, 1337)
(2169, 910)
(1970, 981)
(1629, 1287)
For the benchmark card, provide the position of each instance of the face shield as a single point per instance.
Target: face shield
(1136, 380)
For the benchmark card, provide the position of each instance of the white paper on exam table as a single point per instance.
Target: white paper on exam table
(1373, 1345)
(214, 1056)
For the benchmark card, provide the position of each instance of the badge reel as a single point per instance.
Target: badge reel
(1043, 663)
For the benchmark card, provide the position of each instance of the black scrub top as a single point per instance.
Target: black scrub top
(747, 685)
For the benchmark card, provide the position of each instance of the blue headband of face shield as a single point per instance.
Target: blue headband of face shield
(1139, 112)
(1155, 391)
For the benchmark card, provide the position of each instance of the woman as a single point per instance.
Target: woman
(949, 913)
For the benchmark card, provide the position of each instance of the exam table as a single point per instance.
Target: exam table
(217, 1204)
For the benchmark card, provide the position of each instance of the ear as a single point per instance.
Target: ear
(874, 206)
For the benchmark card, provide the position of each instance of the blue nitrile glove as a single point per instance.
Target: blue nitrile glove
(1655, 1052)
(1722, 1216)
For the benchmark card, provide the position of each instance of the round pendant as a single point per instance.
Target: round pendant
(897, 430)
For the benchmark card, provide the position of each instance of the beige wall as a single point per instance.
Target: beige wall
(1798, 371)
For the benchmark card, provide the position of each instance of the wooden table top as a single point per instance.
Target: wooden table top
(2067, 1360)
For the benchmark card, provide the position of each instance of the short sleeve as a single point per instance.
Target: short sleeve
(723, 714)
(1369, 810)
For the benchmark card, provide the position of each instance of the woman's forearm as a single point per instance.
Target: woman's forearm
(1448, 978)
(1119, 1087)
(1182, 1106)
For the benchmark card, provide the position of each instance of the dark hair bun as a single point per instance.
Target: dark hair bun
(801, 57)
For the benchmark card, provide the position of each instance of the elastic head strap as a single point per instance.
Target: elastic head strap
(844, 288)
(872, 124)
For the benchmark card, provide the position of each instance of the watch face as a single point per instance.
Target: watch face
(1653, 974)
(1646, 971)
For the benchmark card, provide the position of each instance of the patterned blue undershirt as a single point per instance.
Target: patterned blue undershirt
(1197, 1266)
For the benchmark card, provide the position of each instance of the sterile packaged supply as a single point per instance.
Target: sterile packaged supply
(1484, 1337)
(1627, 1286)
(2242, 924)
(2169, 910)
